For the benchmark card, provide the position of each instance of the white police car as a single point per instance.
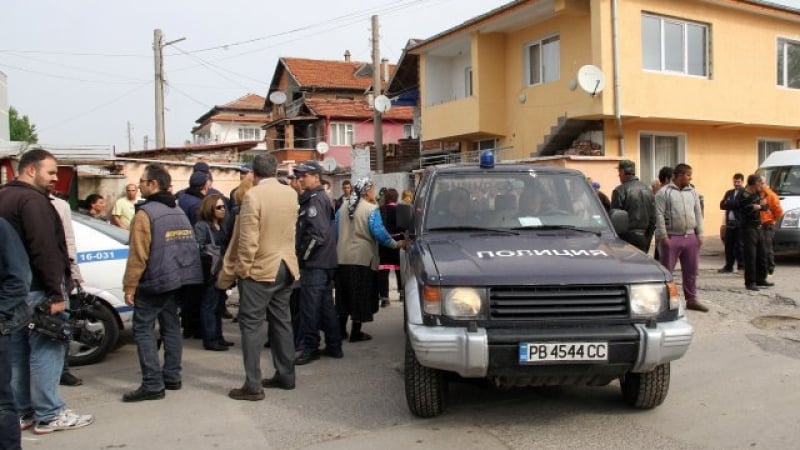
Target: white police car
(102, 253)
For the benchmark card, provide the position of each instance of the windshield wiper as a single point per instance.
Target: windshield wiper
(558, 227)
(471, 228)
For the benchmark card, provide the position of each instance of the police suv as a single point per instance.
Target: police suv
(515, 274)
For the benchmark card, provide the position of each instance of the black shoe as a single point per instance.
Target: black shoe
(141, 394)
(771, 271)
(243, 394)
(277, 383)
(696, 306)
(739, 267)
(266, 344)
(216, 347)
(226, 314)
(765, 283)
(306, 357)
(225, 343)
(725, 270)
(173, 386)
(333, 352)
(360, 337)
(385, 303)
(751, 287)
(68, 379)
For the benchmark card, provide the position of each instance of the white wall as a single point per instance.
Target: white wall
(227, 132)
(445, 78)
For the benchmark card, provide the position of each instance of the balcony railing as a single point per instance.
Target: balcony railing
(458, 157)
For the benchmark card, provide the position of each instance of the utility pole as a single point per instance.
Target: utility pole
(158, 47)
(376, 91)
(130, 136)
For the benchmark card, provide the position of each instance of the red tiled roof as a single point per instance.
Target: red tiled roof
(249, 101)
(330, 74)
(355, 109)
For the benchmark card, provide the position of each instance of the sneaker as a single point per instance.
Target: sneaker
(26, 422)
(68, 379)
(67, 420)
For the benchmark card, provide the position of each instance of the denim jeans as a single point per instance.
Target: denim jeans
(316, 309)
(211, 314)
(9, 419)
(36, 364)
(146, 310)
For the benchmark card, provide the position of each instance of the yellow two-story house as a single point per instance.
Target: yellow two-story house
(712, 83)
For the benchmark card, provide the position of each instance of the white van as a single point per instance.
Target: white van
(782, 171)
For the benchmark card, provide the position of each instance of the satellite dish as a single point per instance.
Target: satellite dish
(322, 148)
(591, 79)
(329, 164)
(382, 103)
(277, 97)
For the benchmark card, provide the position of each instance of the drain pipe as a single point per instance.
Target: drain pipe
(615, 57)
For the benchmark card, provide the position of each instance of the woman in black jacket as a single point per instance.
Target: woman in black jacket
(390, 258)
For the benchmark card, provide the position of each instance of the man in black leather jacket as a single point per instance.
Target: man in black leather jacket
(316, 254)
(637, 199)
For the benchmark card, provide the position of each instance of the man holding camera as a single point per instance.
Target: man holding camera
(36, 359)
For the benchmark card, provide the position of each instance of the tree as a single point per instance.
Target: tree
(21, 128)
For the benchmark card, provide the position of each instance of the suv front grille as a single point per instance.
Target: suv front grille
(558, 302)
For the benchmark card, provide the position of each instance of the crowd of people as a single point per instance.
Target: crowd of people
(284, 244)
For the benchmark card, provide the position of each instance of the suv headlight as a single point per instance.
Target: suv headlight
(791, 219)
(455, 302)
(648, 299)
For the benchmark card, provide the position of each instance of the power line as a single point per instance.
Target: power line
(82, 69)
(199, 102)
(368, 12)
(211, 66)
(45, 52)
(103, 105)
(62, 77)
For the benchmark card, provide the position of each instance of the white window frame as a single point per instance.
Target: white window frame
(529, 79)
(782, 68)
(408, 131)
(484, 144)
(341, 134)
(652, 172)
(249, 134)
(662, 53)
(761, 147)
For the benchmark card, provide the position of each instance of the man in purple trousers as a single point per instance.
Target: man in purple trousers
(679, 231)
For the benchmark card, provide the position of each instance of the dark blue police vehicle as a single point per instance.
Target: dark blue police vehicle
(515, 274)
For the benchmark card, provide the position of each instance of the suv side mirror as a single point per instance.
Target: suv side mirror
(619, 220)
(405, 216)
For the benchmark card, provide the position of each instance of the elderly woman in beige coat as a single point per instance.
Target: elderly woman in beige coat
(360, 230)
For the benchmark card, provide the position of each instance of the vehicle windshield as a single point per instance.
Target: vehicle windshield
(514, 201)
(118, 234)
(784, 180)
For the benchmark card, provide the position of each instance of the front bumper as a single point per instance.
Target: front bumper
(483, 352)
(786, 239)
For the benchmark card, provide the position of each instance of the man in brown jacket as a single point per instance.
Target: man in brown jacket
(261, 257)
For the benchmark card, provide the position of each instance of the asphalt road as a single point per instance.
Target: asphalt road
(736, 388)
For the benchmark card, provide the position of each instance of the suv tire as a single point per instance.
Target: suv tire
(646, 390)
(425, 387)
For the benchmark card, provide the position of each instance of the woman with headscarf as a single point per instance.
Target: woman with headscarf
(360, 230)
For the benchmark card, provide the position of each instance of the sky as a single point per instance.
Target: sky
(82, 70)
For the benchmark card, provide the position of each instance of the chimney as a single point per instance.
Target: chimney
(347, 55)
(385, 69)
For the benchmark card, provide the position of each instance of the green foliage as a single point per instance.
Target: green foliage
(21, 127)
